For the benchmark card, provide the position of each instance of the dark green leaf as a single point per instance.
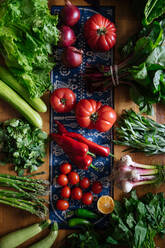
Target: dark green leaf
(140, 235)
(153, 9)
(156, 60)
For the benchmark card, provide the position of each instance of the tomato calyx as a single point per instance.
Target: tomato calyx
(94, 117)
(101, 31)
(63, 100)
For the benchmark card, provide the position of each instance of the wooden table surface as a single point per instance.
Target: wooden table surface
(11, 218)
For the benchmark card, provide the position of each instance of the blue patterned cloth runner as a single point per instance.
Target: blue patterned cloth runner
(72, 78)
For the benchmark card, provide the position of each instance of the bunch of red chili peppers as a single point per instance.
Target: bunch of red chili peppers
(79, 149)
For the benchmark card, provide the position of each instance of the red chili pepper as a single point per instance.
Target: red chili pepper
(70, 145)
(76, 151)
(82, 162)
(93, 147)
(61, 128)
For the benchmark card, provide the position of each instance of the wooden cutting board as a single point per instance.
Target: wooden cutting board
(12, 219)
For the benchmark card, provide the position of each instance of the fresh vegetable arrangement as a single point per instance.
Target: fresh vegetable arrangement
(27, 32)
(27, 193)
(22, 145)
(140, 134)
(133, 223)
(129, 174)
(143, 67)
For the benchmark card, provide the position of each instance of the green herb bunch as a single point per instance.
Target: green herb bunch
(140, 133)
(22, 145)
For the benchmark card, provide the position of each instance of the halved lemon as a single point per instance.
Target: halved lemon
(105, 204)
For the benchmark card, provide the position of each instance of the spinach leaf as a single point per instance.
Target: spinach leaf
(153, 10)
(156, 60)
(140, 74)
(140, 234)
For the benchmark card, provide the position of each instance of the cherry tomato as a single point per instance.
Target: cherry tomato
(65, 192)
(62, 205)
(84, 183)
(63, 100)
(97, 187)
(73, 178)
(87, 198)
(76, 193)
(65, 168)
(62, 180)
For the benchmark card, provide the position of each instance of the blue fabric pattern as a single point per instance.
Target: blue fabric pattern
(72, 78)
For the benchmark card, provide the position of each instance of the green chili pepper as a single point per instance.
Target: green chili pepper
(85, 213)
(78, 221)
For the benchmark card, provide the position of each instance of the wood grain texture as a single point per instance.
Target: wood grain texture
(12, 219)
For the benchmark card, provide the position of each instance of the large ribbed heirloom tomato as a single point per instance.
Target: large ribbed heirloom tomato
(100, 33)
(93, 115)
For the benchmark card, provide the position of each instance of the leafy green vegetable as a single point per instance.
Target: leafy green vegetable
(153, 9)
(145, 53)
(148, 215)
(22, 145)
(133, 223)
(141, 134)
(27, 32)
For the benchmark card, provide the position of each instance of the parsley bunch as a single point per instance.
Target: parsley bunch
(22, 145)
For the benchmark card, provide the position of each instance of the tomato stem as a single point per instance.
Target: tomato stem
(63, 100)
(94, 116)
(101, 31)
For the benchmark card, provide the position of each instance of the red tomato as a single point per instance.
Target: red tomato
(65, 192)
(62, 205)
(87, 198)
(97, 187)
(62, 180)
(100, 33)
(84, 183)
(65, 168)
(73, 178)
(93, 115)
(76, 193)
(63, 100)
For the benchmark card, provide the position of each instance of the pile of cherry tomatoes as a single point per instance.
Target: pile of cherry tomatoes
(73, 186)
